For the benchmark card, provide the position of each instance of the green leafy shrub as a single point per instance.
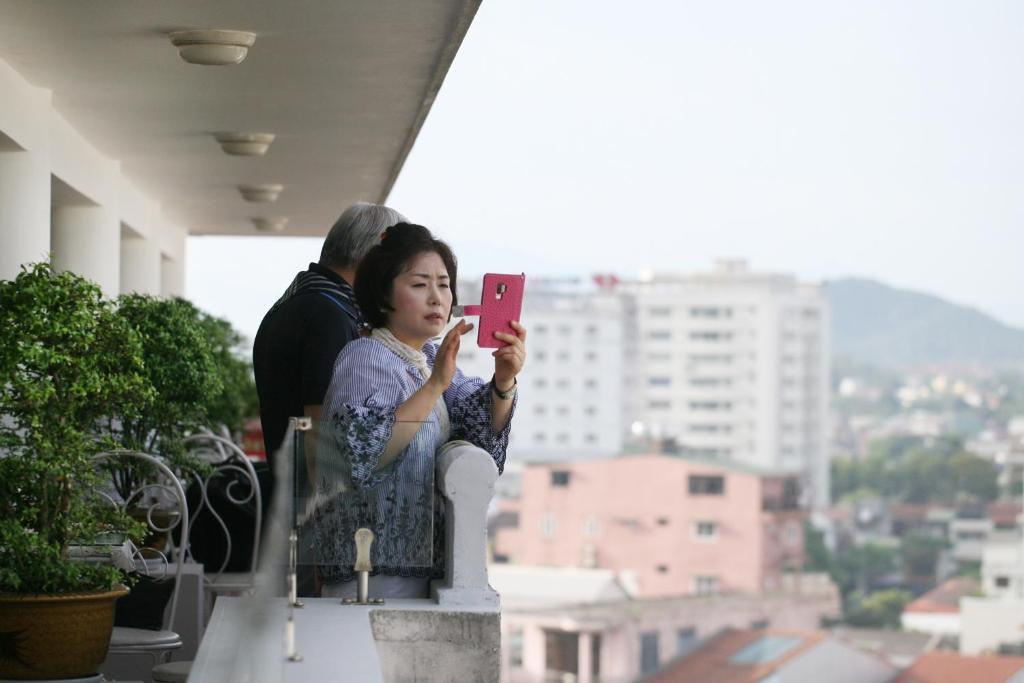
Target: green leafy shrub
(68, 361)
(237, 399)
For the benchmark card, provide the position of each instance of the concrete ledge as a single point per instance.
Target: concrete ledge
(437, 646)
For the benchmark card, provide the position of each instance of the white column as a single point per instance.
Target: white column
(584, 674)
(141, 266)
(24, 209)
(86, 241)
(172, 265)
(172, 279)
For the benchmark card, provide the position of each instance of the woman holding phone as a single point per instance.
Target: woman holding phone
(394, 399)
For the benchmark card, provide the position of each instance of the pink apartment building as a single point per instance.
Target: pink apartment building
(680, 526)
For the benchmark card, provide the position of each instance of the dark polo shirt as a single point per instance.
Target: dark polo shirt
(294, 352)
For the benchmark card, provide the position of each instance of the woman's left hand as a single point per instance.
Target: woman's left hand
(508, 360)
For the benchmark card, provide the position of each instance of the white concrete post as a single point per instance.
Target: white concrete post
(584, 674)
(173, 244)
(466, 475)
(24, 210)
(172, 276)
(141, 266)
(85, 241)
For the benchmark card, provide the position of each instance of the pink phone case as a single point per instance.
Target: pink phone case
(501, 301)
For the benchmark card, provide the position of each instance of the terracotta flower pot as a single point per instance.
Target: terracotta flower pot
(55, 636)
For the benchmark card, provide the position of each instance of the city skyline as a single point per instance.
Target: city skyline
(821, 140)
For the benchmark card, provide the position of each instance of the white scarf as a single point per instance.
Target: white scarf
(419, 360)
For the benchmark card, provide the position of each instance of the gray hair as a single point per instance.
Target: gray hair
(355, 232)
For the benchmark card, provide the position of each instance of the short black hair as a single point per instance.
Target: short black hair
(375, 277)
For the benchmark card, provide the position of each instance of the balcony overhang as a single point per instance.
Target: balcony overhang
(345, 88)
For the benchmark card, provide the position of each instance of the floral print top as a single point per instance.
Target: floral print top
(398, 502)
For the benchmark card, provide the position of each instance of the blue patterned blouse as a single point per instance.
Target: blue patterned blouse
(398, 502)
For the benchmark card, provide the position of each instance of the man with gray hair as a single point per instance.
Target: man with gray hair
(299, 338)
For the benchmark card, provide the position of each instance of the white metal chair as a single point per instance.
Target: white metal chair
(151, 496)
(228, 460)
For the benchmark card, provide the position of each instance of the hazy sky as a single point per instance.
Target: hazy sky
(823, 138)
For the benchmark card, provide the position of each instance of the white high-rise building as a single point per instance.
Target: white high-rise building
(729, 364)
(733, 364)
(570, 400)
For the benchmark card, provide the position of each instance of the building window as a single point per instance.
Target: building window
(659, 381)
(540, 383)
(662, 569)
(649, 658)
(710, 312)
(660, 404)
(563, 410)
(759, 624)
(707, 485)
(562, 383)
(686, 638)
(540, 329)
(590, 410)
(590, 438)
(560, 477)
(540, 437)
(591, 330)
(705, 585)
(659, 356)
(561, 653)
(659, 334)
(705, 530)
(595, 656)
(591, 383)
(591, 355)
(539, 355)
(710, 336)
(662, 521)
(563, 438)
(540, 409)
(659, 311)
(548, 525)
(591, 527)
(1002, 582)
(562, 356)
(515, 648)
(710, 405)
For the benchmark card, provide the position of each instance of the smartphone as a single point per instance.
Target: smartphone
(501, 302)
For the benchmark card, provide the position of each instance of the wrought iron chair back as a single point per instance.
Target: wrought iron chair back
(241, 489)
(153, 495)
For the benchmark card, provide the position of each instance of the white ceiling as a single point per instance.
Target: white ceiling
(344, 84)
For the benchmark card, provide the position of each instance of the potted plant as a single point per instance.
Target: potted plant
(68, 361)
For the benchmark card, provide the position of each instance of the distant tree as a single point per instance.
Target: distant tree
(916, 470)
(881, 609)
(863, 566)
(974, 476)
(920, 555)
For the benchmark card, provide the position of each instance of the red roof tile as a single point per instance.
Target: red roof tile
(945, 597)
(950, 667)
(711, 662)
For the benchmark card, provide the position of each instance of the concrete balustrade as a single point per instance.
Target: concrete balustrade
(466, 475)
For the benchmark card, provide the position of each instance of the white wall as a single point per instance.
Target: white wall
(59, 195)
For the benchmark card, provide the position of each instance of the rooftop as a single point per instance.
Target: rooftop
(945, 598)
(950, 667)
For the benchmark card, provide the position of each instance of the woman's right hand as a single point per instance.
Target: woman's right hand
(444, 361)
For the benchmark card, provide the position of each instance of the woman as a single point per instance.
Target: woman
(395, 397)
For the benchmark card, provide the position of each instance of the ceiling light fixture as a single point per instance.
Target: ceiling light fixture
(274, 224)
(245, 144)
(212, 47)
(260, 193)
